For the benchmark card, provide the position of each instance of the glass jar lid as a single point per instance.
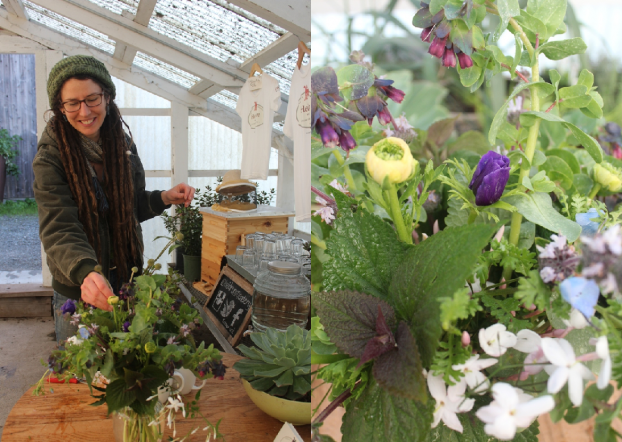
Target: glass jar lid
(284, 267)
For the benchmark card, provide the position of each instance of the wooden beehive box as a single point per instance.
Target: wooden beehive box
(222, 233)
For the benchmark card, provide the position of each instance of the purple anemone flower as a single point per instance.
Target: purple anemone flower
(490, 178)
(126, 326)
(68, 307)
(449, 58)
(464, 60)
(328, 134)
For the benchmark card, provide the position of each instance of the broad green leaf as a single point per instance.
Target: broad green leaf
(517, 54)
(501, 115)
(531, 25)
(440, 131)
(349, 318)
(378, 416)
(500, 56)
(558, 170)
(582, 183)
(423, 18)
(507, 9)
(589, 143)
(586, 78)
(364, 250)
(538, 208)
(472, 140)
(560, 49)
(567, 156)
(462, 37)
(118, 396)
(526, 236)
(355, 81)
(478, 39)
(453, 10)
(436, 6)
(434, 269)
(468, 77)
(550, 12)
(577, 90)
(594, 107)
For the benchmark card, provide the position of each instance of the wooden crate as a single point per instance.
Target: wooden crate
(25, 301)
(222, 233)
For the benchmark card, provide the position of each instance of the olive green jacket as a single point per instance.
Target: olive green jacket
(70, 257)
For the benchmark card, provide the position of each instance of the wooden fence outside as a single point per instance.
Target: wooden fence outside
(18, 116)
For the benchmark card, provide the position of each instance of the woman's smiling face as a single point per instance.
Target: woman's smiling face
(86, 120)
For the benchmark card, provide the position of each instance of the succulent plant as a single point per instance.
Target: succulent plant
(280, 365)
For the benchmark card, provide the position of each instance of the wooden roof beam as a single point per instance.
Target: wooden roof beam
(292, 15)
(124, 52)
(16, 7)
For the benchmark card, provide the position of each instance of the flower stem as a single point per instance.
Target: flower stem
(472, 216)
(318, 242)
(530, 148)
(346, 170)
(594, 191)
(396, 215)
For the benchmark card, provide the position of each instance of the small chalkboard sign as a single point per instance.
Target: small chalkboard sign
(229, 305)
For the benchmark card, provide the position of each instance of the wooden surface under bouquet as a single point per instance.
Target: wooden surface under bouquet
(66, 415)
(549, 432)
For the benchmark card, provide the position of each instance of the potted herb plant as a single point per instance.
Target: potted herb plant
(7, 154)
(277, 373)
(134, 351)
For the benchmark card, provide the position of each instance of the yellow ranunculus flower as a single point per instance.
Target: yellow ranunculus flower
(150, 347)
(608, 176)
(390, 158)
(113, 300)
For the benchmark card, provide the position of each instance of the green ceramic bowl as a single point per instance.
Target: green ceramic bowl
(296, 413)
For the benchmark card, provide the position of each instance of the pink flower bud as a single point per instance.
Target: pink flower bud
(466, 339)
(449, 58)
(425, 34)
(464, 60)
(437, 48)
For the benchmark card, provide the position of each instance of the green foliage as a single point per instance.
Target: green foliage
(460, 306)
(280, 364)
(447, 355)
(26, 207)
(502, 309)
(8, 151)
(344, 375)
(532, 290)
(507, 255)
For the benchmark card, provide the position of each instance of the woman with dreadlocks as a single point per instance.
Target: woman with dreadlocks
(90, 188)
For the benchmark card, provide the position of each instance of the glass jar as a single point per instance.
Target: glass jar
(281, 297)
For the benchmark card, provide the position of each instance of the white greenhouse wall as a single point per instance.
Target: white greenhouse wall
(131, 96)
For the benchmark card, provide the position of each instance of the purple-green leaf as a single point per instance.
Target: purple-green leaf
(324, 80)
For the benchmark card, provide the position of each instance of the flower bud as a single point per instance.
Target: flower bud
(449, 58)
(425, 34)
(98, 268)
(437, 48)
(150, 262)
(112, 300)
(158, 266)
(608, 176)
(179, 236)
(490, 178)
(464, 60)
(150, 347)
(466, 339)
(134, 269)
(390, 158)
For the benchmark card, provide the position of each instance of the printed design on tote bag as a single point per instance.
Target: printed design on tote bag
(255, 117)
(303, 111)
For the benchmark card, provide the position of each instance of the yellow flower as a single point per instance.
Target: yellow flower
(390, 158)
(608, 176)
(112, 300)
(150, 347)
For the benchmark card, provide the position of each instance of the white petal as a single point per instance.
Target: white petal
(584, 372)
(437, 416)
(456, 391)
(466, 405)
(554, 352)
(489, 413)
(478, 382)
(535, 407)
(482, 363)
(605, 374)
(527, 341)
(452, 421)
(507, 339)
(602, 347)
(558, 379)
(565, 345)
(577, 320)
(504, 428)
(505, 395)
(575, 387)
(437, 387)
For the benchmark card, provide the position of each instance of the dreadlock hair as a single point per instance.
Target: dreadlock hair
(118, 182)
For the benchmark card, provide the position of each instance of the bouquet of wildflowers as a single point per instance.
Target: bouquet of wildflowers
(463, 289)
(135, 348)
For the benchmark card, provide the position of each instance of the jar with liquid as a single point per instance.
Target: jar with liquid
(281, 297)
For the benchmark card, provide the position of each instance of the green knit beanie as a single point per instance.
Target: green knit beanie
(78, 65)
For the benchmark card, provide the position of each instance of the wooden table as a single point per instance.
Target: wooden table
(66, 415)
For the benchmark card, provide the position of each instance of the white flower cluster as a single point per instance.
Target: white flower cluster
(511, 408)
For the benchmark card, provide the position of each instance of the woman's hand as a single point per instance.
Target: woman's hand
(180, 194)
(95, 291)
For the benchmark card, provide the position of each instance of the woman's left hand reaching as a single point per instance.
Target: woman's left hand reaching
(180, 194)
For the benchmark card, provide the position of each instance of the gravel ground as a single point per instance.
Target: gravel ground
(20, 248)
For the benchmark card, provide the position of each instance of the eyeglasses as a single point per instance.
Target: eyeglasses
(74, 105)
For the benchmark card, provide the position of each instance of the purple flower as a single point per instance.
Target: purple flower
(126, 291)
(490, 178)
(126, 326)
(449, 58)
(425, 34)
(437, 48)
(69, 307)
(384, 116)
(464, 60)
(384, 87)
(346, 141)
(329, 137)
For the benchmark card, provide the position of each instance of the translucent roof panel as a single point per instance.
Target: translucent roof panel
(165, 70)
(211, 29)
(117, 6)
(227, 98)
(69, 27)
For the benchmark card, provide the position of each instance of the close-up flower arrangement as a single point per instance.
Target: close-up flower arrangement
(462, 291)
(128, 356)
